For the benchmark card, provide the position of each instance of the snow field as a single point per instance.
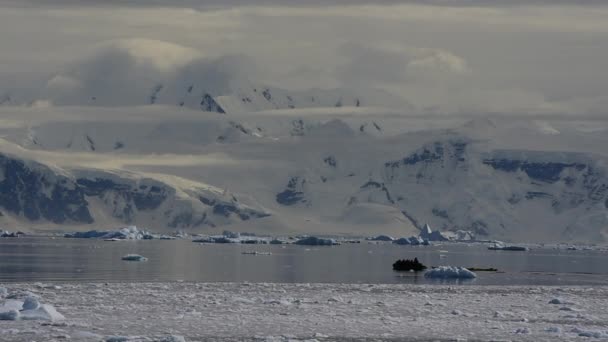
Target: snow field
(323, 312)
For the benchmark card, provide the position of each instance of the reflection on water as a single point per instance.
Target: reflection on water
(46, 259)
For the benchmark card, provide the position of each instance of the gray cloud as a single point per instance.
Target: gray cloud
(443, 56)
(209, 4)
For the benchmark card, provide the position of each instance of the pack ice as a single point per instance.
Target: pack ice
(25, 306)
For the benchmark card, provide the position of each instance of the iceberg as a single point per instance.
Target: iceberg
(499, 246)
(316, 241)
(126, 233)
(428, 234)
(450, 272)
(414, 241)
(382, 238)
(28, 308)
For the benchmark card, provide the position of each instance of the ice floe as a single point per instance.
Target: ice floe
(17, 307)
(450, 272)
(126, 233)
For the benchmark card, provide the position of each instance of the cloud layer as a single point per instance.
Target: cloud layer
(442, 56)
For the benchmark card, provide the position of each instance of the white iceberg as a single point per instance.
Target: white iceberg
(126, 233)
(499, 246)
(428, 234)
(450, 272)
(28, 308)
(413, 240)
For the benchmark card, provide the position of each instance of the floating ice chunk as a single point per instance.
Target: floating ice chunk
(450, 272)
(44, 313)
(31, 303)
(11, 304)
(382, 238)
(126, 233)
(134, 257)
(10, 315)
(3, 292)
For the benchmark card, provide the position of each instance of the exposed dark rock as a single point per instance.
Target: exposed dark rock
(298, 128)
(545, 172)
(331, 161)
(90, 142)
(227, 209)
(155, 92)
(36, 193)
(440, 213)
(293, 194)
(537, 194)
(209, 104)
(371, 183)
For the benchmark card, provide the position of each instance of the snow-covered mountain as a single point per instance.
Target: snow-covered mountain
(32, 192)
(330, 170)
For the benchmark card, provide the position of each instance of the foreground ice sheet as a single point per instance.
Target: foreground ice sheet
(322, 312)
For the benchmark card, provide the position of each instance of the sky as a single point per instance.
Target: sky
(442, 56)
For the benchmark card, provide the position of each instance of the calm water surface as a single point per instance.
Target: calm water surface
(48, 259)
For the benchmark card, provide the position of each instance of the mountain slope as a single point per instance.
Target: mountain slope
(332, 171)
(39, 194)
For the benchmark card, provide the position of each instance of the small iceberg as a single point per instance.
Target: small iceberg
(134, 257)
(256, 253)
(28, 308)
(126, 233)
(414, 241)
(450, 272)
(316, 241)
(499, 246)
(383, 238)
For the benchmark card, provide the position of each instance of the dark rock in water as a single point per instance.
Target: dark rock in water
(408, 265)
